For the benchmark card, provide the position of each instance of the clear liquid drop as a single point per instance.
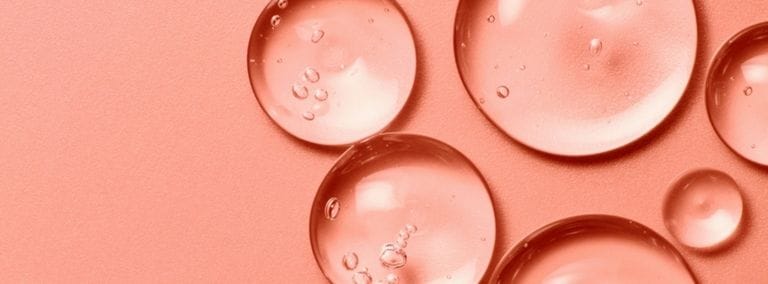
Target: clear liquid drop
(593, 249)
(491, 18)
(282, 4)
(349, 261)
(370, 68)
(392, 279)
(703, 209)
(572, 119)
(736, 90)
(390, 181)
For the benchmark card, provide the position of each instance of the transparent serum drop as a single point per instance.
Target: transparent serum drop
(566, 62)
(703, 209)
(737, 93)
(369, 69)
(593, 249)
(406, 201)
(350, 261)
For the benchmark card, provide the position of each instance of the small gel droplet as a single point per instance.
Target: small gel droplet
(282, 4)
(392, 279)
(491, 18)
(523, 67)
(748, 91)
(333, 205)
(362, 277)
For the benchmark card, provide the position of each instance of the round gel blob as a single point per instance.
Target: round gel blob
(576, 78)
(703, 209)
(737, 93)
(593, 249)
(404, 207)
(332, 72)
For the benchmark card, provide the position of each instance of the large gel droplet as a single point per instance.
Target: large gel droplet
(737, 93)
(593, 249)
(394, 185)
(568, 64)
(328, 46)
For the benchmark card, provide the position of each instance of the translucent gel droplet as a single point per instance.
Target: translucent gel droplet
(370, 69)
(403, 234)
(703, 209)
(332, 208)
(593, 249)
(393, 257)
(362, 277)
(350, 261)
(393, 182)
(275, 21)
(282, 4)
(491, 19)
(737, 93)
(557, 107)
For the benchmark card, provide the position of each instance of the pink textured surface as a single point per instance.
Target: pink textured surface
(133, 149)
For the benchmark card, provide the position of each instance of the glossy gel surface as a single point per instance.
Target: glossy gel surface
(410, 206)
(332, 72)
(737, 93)
(703, 209)
(583, 77)
(593, 249)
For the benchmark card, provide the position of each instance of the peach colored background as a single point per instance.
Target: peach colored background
(132, 149)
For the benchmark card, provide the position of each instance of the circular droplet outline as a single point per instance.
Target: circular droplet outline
(576, 224)
(716, 61)
(723, 244)
(264, 16)
(349, 153)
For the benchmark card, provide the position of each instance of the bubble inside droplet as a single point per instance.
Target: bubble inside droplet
(299, 91)
(703, 209)
(392, 256)
(349, 261)
(275, 21)
(491, 18)
(311, 75)
(502, 92)
(317, 35)
(282, 4)
(332, 208)
(595, 46)
(321, 94)
(392, 279)
(593, 249)
(748, 91)
(362, 277)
